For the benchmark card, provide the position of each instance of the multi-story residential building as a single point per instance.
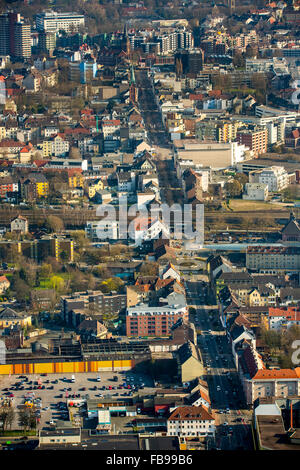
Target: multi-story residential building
(15, 36)
(22, 40)
(255, 138)
(8, 186)
(273, 259)
(275, 177)
(90, 301)
(47, 41)
(272, 383)
(33, 186)
(82, 71)
(54, 21)
(143, 320)
(110, 127)
(191, 421)
(263, 65)
(57, 146)
(283, 317)
(102, 230)
(75, 178)
(19, 224)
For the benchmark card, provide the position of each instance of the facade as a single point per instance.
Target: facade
(143, 320)
(102, 229)
(9, 318)
(214, 154)
(273, 383)
(255, 138)
(15, 36)
(91, 301)
(19, 224)
(273, 259)
(191, 421)
(283, 317)
(54, 21)
(256, 192)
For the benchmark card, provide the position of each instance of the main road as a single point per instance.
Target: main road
(225, 388)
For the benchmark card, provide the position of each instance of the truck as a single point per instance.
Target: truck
(73, 379)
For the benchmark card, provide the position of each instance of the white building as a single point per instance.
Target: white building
(256, 192)
(102, 229)
(54, 21)
(143, 230)
(19, 224)
(276, 177)
(191, 421)
(283, 317)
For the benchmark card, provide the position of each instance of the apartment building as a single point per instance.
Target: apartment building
(143, 320)
(102, 229)
(275, 177)
(56, 146)
(96, 301)
(191, 421)
(255, 138)
(273, 383)
(283, 317)
(273, 259)
(15, 36)
(19, 224)
(54, 21)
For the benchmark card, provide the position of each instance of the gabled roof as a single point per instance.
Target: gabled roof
(292, 227)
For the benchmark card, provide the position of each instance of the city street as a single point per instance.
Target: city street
(227, 397)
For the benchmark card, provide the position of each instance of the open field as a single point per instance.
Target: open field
(241, 205)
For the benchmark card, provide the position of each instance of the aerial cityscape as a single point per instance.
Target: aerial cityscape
(150, 227)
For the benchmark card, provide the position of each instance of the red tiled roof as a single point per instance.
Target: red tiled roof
(191, 413)
(266, 374)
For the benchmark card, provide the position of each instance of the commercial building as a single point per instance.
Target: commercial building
(54, 21)
(214, 154)
(143, 320)
(191, 421)
(271, 259)
(273, 383)
(275, 177)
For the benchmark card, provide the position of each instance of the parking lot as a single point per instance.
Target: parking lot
(53, 390)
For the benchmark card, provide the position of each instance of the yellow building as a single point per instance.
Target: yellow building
(42, 188)
(47, 148)
(75, 180)
(8, 318)
(2, 132)
(94, 186)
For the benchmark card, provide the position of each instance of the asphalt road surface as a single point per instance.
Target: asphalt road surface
(226, 392)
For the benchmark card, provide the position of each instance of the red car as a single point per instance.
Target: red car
(11, 395)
